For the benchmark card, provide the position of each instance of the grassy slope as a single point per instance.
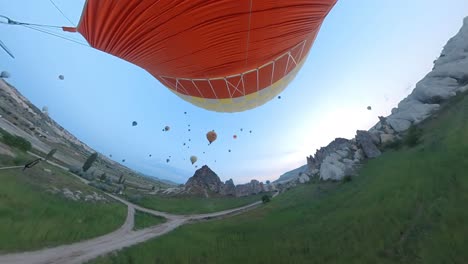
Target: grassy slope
(192, 205)
(32, 218)
(143, 220)
(407, 206)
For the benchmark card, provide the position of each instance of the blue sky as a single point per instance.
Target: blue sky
(367, 53)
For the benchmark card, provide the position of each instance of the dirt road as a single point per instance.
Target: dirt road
(123, 237)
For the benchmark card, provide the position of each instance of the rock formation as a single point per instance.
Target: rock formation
(203, 182)
(253, 187)
(228, 189)
(448, 77)
(206, 183)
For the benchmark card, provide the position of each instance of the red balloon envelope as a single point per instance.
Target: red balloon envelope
(222, 55)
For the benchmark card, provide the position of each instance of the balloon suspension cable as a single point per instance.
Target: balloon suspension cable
(8, 21)
(56, 35)
(69, 20)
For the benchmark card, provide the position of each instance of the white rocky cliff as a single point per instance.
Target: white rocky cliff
(448, 77)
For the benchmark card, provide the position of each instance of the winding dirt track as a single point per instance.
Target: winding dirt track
(123, 237)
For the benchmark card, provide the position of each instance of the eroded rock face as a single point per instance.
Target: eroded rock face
(314, 162)
(448, 77)
(365, 141)
(335, 168)
(203, 181)
(253, 187)
(228, 189)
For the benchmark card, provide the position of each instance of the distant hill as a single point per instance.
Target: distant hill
(20, 117)
(290, 175)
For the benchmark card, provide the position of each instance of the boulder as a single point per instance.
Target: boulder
(387, 138)
(364, 139)
(303, 178)
(358, 155)
(332, 169)
(337, 144)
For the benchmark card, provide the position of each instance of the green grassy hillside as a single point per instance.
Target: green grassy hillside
(407, 206)
(32, 217)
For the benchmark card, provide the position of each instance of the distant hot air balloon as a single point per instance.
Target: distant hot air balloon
(250, 131)
(279, 96)
(193, 159)
(189, 139)
(235, 136)
(369, 108)
(61, 77)
(189, 129)
(229, 150)
(167, 128)
(4, 74)
(211, 136)
(110, 155)
(123, 160)
(184, 144)
(167, 160)
(134, 123)
(196, 166)
(185, 113)
(264, 44)
(241, 129)
(150, 155)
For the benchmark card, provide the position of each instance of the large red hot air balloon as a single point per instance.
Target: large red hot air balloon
(222, 55)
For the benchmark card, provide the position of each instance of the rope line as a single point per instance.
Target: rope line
(17, 23)
(62, 13)
(56, 35)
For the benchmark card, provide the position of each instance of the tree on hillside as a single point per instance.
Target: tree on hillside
(50, 154)
(89, 161)
(265, 198)
(103, 177)
(120, 179)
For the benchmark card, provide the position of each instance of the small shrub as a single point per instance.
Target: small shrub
(89, 162)
(347, 178)
(135, 198)
(413, 136)
(15, 141)
(266, 198)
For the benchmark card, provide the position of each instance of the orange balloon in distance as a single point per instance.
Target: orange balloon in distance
(211, 136)
(225, 55)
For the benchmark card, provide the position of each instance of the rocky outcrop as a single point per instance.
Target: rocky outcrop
(206, 183)
(448, 77)
(314, 162)
(253, 187)
(203, 182)
(366, 142)
(228, 189)
(334, 167)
